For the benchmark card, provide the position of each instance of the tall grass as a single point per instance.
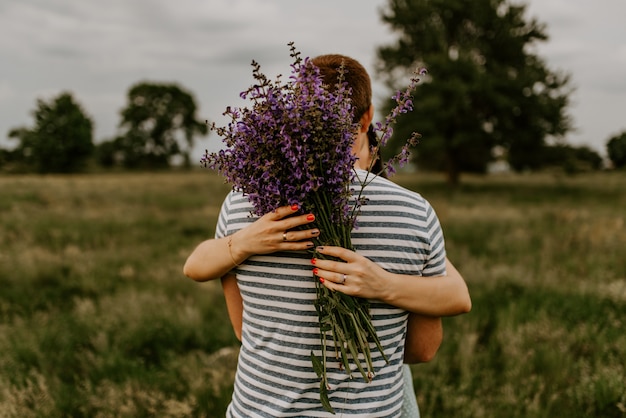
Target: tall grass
(97, 320)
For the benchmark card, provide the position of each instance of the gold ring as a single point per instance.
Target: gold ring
(284, 236)
(343, 279)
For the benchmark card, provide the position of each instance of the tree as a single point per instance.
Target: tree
(616, 150)
(160, 123)
(61, 140)
(587, 158)
(486, 86)
(570, 159)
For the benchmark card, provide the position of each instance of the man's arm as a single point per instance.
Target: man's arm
(424, 333)
(234, 302)
(423, 338)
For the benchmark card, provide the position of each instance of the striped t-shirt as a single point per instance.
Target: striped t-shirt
(399, 230)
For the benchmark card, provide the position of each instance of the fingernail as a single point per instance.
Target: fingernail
(315, 271)
(294, 206)
(321, 280)
(310, 217)
(313, 261)
(320, 248)
(315, 232)
(309, 245)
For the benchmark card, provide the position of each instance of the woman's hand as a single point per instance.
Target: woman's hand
(274, 232)
(356, 276)
(213, 258)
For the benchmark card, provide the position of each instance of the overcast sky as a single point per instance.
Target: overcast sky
(97, 50)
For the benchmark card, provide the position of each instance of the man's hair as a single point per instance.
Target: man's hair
(354, 74)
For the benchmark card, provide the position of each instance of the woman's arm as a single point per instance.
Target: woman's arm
(426, 298)
(424, 333)
(213, 258)
(433, 296)
(423, 338)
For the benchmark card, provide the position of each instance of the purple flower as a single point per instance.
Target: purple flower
(404, 104)
(294, 140)
(293, 145)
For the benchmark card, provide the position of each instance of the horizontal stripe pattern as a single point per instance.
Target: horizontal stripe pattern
(399, 230)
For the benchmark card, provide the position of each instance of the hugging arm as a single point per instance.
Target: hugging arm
(424, 335)
(426, 298)
(214, 258)
(433, 295)
(424, 329)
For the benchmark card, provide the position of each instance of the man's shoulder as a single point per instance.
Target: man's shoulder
(385, 188)
(236, 205)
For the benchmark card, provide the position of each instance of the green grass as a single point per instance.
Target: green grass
(97, 320)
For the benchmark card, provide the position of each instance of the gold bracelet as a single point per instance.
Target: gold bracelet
(230, 250)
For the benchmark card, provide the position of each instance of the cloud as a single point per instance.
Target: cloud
(98, 50)
(7, 93)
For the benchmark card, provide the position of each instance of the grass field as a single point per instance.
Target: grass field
(97, 320)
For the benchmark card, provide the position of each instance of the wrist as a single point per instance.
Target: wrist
(400, 291)
(234, 249)
(389, 292)
(229, 243)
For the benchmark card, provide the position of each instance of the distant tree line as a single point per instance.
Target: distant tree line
(486, 88)
(488, 98)
(157, 125)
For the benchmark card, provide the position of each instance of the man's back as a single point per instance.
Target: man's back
(398, 230)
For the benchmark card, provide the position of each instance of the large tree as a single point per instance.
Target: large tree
(616, 149)
(158, 123)
(61, 140)
(486, 87)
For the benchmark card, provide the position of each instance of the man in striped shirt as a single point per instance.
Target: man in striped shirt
(399, 241)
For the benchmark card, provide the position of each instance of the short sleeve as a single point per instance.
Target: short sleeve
(221, 228)
(436, 263)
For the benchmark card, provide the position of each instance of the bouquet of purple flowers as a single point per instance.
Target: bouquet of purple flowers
(293, 146)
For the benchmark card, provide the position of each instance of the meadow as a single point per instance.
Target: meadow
(97, 319)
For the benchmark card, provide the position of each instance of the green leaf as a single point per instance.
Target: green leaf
(324, 398)
(344, 359)
(349, 301)
(317, 365)
(343, 309)
(373, 335)
(355, 357)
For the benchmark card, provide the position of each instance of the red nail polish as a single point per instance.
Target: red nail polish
(321, 280)
(310, 217)
(294, 207)
(313, 260)
(315, 271)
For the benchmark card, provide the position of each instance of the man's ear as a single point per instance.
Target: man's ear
(366, 119)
